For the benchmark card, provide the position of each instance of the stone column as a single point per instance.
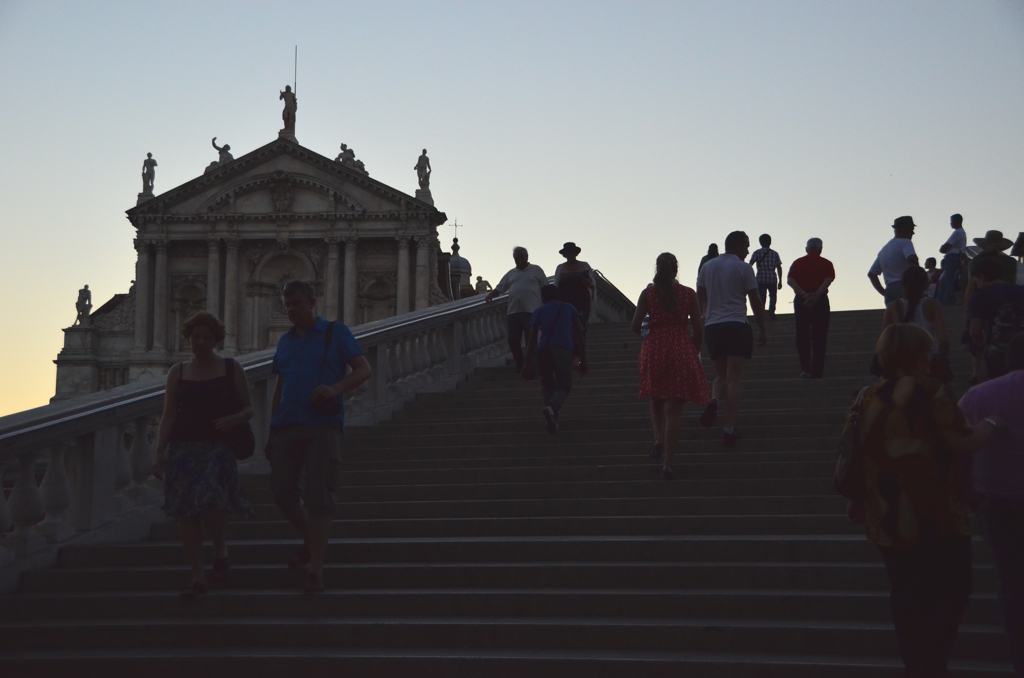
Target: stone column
(351, 280)
(160, 298)
(422, 272)
(403, 274)
(142, 296)
(213, 277)
(231, 298)
(331, 312)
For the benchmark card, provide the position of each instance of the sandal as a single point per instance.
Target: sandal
(658, 451)
(190, 592)
(666, 472)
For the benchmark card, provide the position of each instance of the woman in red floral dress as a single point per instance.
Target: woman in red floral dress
(670, 371)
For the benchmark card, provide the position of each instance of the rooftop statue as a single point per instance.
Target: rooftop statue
(225, 156)
(148, 174)
(83, 306)
(290, 106)
(347, 157)
(423, 170)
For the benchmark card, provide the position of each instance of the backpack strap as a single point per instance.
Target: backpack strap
(328, 335)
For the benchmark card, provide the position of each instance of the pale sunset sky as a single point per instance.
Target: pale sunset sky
(631, 128)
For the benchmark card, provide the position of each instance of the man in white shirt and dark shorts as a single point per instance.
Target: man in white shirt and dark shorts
(953, 251)
(523, 285)
(724, 285)
(895, 257)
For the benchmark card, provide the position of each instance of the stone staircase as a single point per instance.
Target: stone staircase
(473, 543)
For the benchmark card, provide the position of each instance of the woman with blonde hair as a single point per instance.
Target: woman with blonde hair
(671, 374)
(205, 399)
(911, 432)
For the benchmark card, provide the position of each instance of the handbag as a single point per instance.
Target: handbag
(241, 438)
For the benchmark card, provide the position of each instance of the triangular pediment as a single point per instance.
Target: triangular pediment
(282, 180)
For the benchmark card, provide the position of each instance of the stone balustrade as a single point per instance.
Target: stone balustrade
(95, 451)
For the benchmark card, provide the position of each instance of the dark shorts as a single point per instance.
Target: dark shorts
(733, 339)
(312, 455)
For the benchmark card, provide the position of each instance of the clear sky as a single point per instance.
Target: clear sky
(631, 128)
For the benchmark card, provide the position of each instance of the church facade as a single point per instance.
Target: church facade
(226, 242)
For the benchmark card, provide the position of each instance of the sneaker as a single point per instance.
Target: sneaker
(300, 559)
(314, 584)
(731, 438)
(707, 419)
(552, 419)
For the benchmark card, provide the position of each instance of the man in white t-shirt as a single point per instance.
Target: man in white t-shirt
(895, 257)
(724, 285)
(953, 252)
(523, 285)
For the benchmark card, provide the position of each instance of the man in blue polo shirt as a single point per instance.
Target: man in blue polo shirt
(551, 337)
(307, 417)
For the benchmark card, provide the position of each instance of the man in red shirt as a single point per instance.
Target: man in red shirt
(810, 277)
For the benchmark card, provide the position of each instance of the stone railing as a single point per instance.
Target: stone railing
(95, 451)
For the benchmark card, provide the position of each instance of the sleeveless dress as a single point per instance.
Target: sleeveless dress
(201, 473)
(669, 362)
(919, 319)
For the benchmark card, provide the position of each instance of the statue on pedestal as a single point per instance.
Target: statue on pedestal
(290, 106)
(83, 306)
(423, 170)
(148, 174)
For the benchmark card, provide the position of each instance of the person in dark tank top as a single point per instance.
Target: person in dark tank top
(205, 398)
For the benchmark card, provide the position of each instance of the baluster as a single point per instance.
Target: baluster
(420, 359)
(406, 364)
(142, 466)
(26, 509)
(122, 474)
(5, 520)
(394, 369)
(434, 348)
(55, 491)
(5, 512)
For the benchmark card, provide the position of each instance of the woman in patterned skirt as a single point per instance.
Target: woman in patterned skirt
(204, 398)
(670, 371)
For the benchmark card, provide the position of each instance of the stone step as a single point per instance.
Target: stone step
(832, 551)
(577, 421)
(498, 508)
(577, 432)
(682, 459)
(977, 642)
(317, 662)
(565, 445)
(580, 473)
(719, 604)
(580, 489)
(800, 524)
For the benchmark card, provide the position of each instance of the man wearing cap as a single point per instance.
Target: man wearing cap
(952, 251)
(810, 277)
(897, 256)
